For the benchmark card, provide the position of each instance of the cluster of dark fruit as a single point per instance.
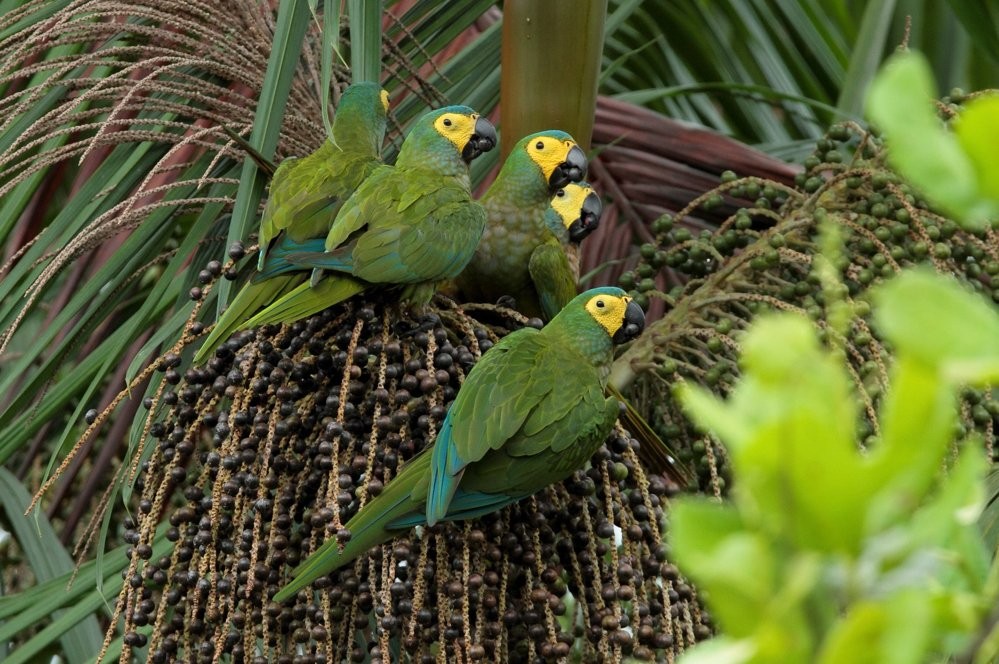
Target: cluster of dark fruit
(264, 453)
(761, 259)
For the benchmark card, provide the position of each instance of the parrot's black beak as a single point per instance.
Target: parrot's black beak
(483, 140)
(589, 218)
(634, 323)
(573, 169)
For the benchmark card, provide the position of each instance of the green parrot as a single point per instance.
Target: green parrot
(516, 202)
(530, 413)
(305, 195)
(413, 224)
(545, 279)
(573, 214)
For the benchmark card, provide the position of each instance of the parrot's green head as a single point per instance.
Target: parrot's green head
(361, 118)
(537, 167)
(447, 140)
(574, 212)
(600, 317)
(554, 154)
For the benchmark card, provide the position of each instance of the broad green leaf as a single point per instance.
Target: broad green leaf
(950, 518)
(733, 564)
(989, 519)
(777, 422)
(981, 19)
(365, 39)
(938, 322)
(866, 56)
(900, 102)
(977, 128)
(895, 631)
(917, 425)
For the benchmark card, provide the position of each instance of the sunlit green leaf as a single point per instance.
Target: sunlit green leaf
(940, 323)
(900, 103)
(977, 128)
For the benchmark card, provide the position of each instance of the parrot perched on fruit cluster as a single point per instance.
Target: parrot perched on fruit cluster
(529, 252)
(305, 195)
(413, 224)
(530, 413)
(516, 203)
(573, 214)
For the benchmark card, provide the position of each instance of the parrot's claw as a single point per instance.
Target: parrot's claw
(507, 301)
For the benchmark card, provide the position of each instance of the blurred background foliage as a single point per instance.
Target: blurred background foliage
(118, 188)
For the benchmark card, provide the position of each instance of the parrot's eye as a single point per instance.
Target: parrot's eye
(600, 304)
(447, 122)
(560, 193)
(540, 145)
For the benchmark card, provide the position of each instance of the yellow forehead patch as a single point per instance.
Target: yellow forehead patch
(457, 128)
(568, 201)
(608, 310)
(548, 153)
(385, 100)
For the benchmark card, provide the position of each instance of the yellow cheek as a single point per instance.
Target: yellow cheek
(611, 315)
(385, 100)
(550, 156)
(460, 131)
(569, 205)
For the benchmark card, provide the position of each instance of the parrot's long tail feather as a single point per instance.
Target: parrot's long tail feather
(322, 260)
(388, 513)
(306, 300)
(279, 257)
(248, 301)
(654, 454)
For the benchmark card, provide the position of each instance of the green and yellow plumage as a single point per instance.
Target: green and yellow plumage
(413, 224)
(516, 203)
(574, 213)
(530, 413)
(305, 195)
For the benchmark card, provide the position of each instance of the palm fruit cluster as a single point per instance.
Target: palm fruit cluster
(763, 258)
(265, 451)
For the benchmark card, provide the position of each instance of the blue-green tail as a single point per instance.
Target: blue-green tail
(377, 522)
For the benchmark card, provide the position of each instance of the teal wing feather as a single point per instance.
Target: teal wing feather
(339, 260)
(552, 277)
(280, 258)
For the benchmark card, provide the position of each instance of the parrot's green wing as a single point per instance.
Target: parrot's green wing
(538, 463)
(300, 199)
(435, 247)
(517, 399)
(351, 217)
(552, 277)
(405, 227)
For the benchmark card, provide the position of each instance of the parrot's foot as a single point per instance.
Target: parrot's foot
(507, 301)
